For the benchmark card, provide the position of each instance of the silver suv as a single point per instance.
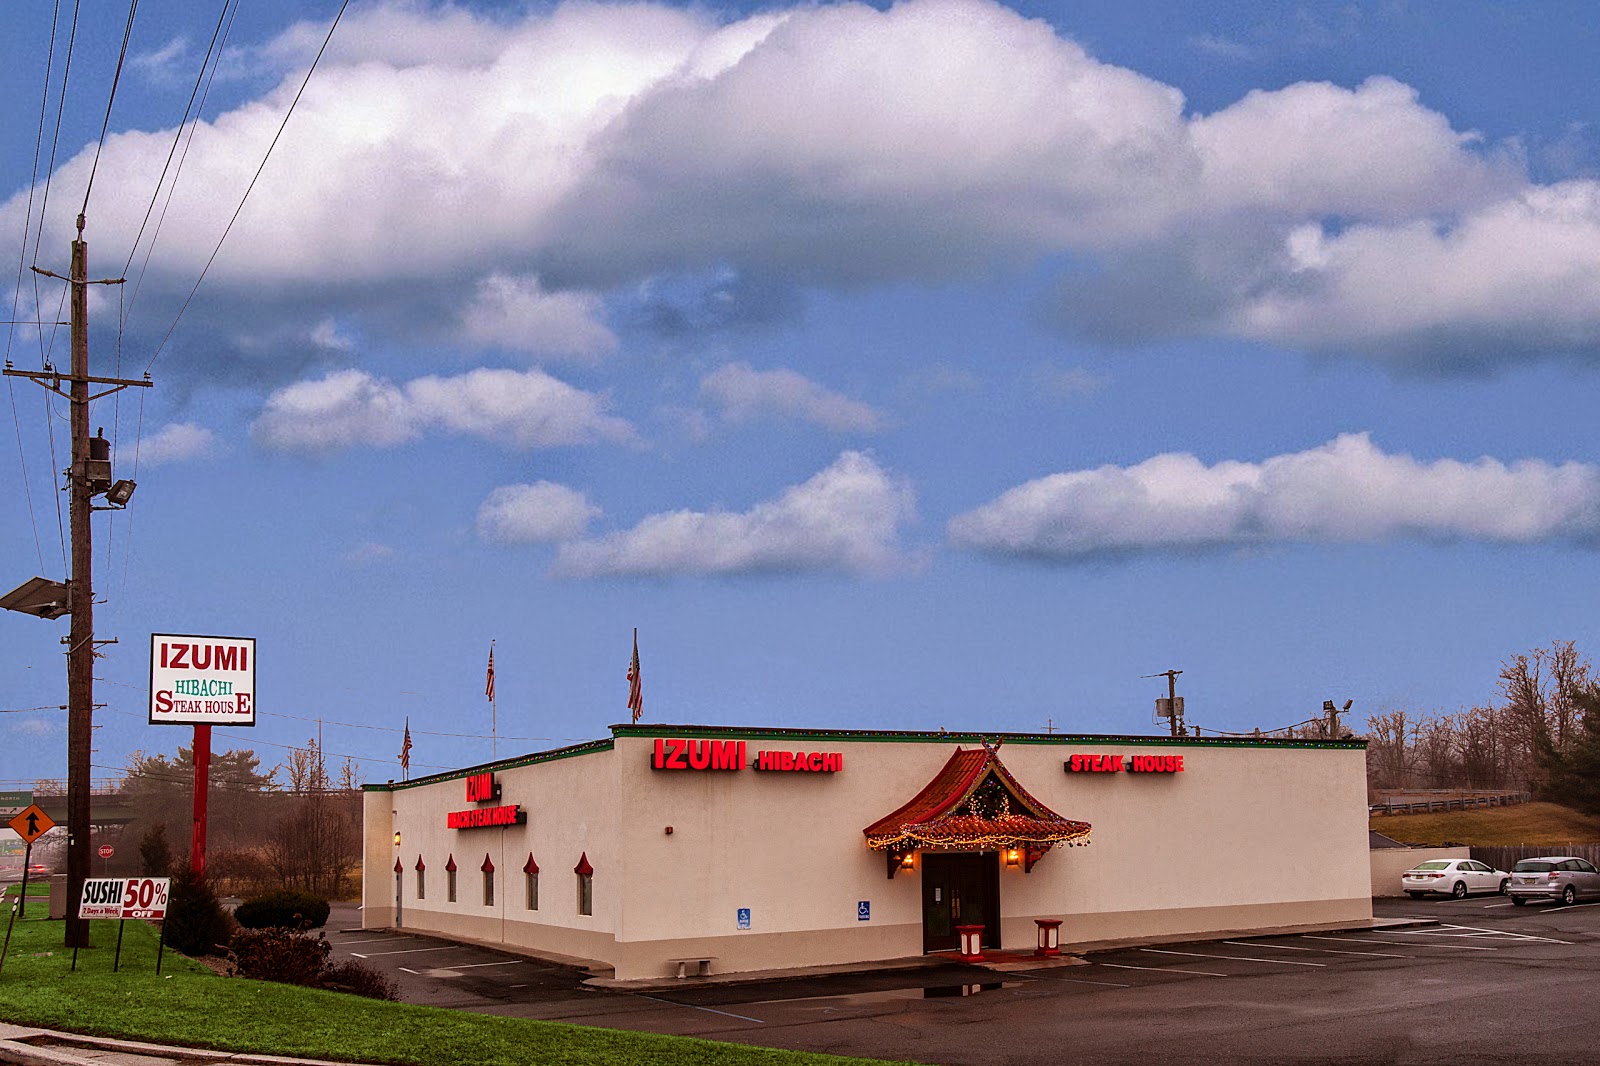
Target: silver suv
(1553, 877)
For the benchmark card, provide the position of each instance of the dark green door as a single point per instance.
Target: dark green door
(960, 888)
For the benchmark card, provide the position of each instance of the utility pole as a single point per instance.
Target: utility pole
(1174, 706)
(1333, 712)
(89, 476)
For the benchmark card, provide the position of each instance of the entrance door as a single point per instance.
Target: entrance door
(961, 888)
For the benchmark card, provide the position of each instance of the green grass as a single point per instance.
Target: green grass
(190, 1005)
(34, 889)
(1527, 823)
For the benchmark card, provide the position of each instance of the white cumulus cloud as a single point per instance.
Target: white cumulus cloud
(535, 514)
(349, 408)
(744, 394)
(495, 176)
(845, 518)
(177, 442)
(1346, 490)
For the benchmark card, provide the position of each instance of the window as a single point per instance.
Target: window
(533, 890)
(488, 887)
(422, 883)
(585, 874)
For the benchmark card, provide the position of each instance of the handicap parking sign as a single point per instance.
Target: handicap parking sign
(864, 911)
(744, 917)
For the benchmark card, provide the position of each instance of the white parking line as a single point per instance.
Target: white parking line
(1233, 958)
(1082, 981)
(1330, 951)
(1160, 969)
(385, 940)
(1476, 932)
(481, 965)
(407, 951)
(708, 1010)
(1396, 943)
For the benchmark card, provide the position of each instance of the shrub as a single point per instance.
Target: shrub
(284, 909)
(196, 923)
(360, 980)
(294, 957)
(278, 954)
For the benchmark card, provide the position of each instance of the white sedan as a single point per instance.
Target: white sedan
(1453, 877)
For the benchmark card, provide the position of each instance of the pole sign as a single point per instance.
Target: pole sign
(125, 897)
(202, 680)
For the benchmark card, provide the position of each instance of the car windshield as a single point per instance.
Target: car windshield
(1533, 866)
(1434, 865)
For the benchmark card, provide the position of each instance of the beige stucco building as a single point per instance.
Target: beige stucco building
(771, 848)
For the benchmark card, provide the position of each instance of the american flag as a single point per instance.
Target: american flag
(488, 684)
(635, 681)
(405, 747)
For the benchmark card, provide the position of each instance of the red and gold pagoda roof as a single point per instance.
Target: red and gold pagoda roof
(973, 804)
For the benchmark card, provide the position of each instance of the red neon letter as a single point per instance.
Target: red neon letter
(660, 758)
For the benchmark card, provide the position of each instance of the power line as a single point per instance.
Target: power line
(242, 200)
(55, 138)
(217, 34)
(127, 32)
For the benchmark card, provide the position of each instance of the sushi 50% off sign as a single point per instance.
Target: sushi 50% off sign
(125, 897)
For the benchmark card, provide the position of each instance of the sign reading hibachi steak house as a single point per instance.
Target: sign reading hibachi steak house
(482, 788)
(672, 753)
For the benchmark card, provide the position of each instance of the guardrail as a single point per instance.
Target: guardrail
(1456, 803)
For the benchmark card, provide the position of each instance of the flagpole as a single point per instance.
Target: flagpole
(494, 709)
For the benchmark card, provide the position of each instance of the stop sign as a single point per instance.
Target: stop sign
(106, 851)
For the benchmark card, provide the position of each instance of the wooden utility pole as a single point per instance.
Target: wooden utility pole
(87, 477)
(1175, 719)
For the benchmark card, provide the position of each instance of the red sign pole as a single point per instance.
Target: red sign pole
(202, 773)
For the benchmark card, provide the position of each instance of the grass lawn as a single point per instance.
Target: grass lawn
(34, 889)
(1528, 823)
(190, 1005)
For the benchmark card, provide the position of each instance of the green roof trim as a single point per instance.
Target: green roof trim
(901, 736)
(586, 748)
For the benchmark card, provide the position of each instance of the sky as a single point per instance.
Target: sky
(931, 365)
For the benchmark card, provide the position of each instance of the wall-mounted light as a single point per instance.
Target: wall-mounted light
(1013, 857)
(908, 861)
(397, 838)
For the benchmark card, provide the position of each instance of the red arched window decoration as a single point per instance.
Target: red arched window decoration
(450, 865)
(530, 867)
(583, 866)
(420, 864)
(488, 864)
(397, 866)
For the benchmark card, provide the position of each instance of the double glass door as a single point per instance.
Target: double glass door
(960, 888)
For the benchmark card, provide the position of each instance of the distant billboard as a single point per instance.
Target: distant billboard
(202, 680)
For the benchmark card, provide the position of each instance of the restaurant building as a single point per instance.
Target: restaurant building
(763, 849)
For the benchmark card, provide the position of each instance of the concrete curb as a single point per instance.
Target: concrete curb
(47, 1047)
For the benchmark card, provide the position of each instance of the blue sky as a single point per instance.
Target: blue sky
(943, 364)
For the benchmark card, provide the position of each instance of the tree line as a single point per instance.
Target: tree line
(294, 826)
(1539, 733)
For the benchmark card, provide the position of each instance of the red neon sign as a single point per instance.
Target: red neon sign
(1133, 764)
(672, 753)
(481, 788)
(482, 817)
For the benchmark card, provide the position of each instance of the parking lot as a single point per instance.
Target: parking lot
(1489, 979)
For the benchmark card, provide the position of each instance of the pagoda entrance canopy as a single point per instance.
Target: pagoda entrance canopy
(973, 804)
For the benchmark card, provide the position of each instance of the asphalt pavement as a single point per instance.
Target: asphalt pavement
(1489, 980)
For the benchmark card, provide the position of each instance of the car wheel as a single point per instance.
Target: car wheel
(1569, 896)
(1415, 895)
(1460, 891)
(1518, 901)
(1505, 882)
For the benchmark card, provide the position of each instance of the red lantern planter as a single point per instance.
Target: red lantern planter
(1049, 936)
(971, 942)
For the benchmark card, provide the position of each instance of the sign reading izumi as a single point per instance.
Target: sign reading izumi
(673, 753)
(1133, 764)
(483, 788)
(202, 680)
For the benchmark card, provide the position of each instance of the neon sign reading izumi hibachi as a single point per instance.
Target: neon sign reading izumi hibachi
(674, 753)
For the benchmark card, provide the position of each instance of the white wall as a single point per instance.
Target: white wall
(1389, 863)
